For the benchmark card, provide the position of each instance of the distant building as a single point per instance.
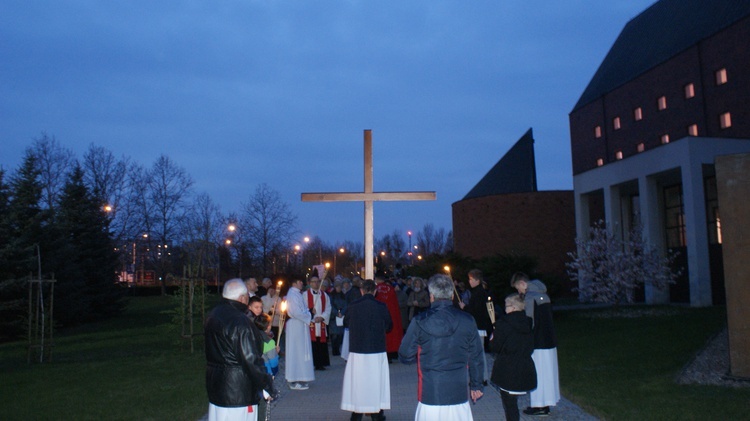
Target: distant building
(672, 94)
(505, 214)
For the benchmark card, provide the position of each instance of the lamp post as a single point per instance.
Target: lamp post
(341, 250)
(408, 233)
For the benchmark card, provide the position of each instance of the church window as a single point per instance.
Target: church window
(616, 123)
(693, 130)
(689, 91)
(664, 139)
(721, 76)
(638, 114)
(641, 147)
(662, 103)
(599, 162)
(725, 120)
(598, 132)
(618, 155)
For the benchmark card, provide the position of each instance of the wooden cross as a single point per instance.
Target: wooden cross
(368, 197)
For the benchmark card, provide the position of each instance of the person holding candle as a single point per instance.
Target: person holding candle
(477, 306)
(298, 350)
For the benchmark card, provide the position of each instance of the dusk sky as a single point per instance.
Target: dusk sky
(240, 93)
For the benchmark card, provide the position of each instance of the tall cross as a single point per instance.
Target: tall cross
(368, 197)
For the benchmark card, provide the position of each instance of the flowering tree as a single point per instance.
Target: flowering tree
(609, 269)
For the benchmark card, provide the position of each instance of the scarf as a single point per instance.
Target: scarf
(311, 304)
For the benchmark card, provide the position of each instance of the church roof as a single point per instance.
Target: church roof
(662, 31)
(515, 172)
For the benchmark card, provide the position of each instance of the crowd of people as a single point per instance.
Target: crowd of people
(444, 325)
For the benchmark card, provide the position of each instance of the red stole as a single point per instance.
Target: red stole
(311, 304)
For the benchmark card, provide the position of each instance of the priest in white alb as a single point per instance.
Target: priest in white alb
(298, 353)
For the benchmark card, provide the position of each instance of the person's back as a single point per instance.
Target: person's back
(445, 342)
(447, 338)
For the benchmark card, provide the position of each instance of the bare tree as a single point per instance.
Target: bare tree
(53, 162)
(201, 232)
(108, 178)
(430, 240)
(269, 224)
(168, 187)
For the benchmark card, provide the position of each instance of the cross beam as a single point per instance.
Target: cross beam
(368, 197)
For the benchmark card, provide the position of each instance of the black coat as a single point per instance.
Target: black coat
(368, 321)
(513, 343)
(235, 372)
(477, 307)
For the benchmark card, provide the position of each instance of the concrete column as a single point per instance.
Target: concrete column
(696, 233)
(582, 216)
(653, 231)
(733, 186)
(613, 211)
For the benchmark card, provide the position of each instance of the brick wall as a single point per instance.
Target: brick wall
(538, 224)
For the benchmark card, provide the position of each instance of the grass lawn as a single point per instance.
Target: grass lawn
(623, 368)
(129, 368)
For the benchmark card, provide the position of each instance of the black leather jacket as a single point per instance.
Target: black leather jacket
(235, 373)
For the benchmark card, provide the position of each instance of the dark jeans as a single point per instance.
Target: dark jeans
(336, 340)
(510, 406)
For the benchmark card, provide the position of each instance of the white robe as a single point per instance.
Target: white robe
(367, 383)
(547, 392)
(299, 362)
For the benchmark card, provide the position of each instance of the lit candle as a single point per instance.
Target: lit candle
(282, 317)
(491, 309)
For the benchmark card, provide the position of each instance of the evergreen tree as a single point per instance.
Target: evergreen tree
(22, 227)
(87, 258)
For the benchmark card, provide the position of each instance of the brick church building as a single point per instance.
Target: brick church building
(672, 94)
(505, 214)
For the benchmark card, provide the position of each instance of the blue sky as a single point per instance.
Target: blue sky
(279, 92)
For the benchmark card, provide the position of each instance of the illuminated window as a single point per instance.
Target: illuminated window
(641, 147)
(693, 130)
(598, 132)
(618, 155)
(689, 90)
(725, 120)
(616, 123)
(638, 114)
(662, 103)
(664, 139)
(721, 76)
(599, 162)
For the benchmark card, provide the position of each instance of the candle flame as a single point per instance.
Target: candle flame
(283, 306)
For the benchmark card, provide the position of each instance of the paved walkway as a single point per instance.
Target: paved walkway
(322, 400)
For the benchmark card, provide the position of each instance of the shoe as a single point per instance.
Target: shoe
(540, 412)
(298, 386)
(356, 417)
(378, 416)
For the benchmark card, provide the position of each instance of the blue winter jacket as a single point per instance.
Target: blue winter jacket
(445, 344)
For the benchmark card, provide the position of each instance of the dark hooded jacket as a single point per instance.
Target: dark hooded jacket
(539, 308)
(443, 341)
(235, 372)
(513, 343)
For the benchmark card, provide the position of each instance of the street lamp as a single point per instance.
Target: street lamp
(408, 233)
(341, 250)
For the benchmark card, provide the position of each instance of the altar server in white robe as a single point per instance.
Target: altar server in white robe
(367, 383)
(298, 356)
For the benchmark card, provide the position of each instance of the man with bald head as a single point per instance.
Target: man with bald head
(235, 372)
